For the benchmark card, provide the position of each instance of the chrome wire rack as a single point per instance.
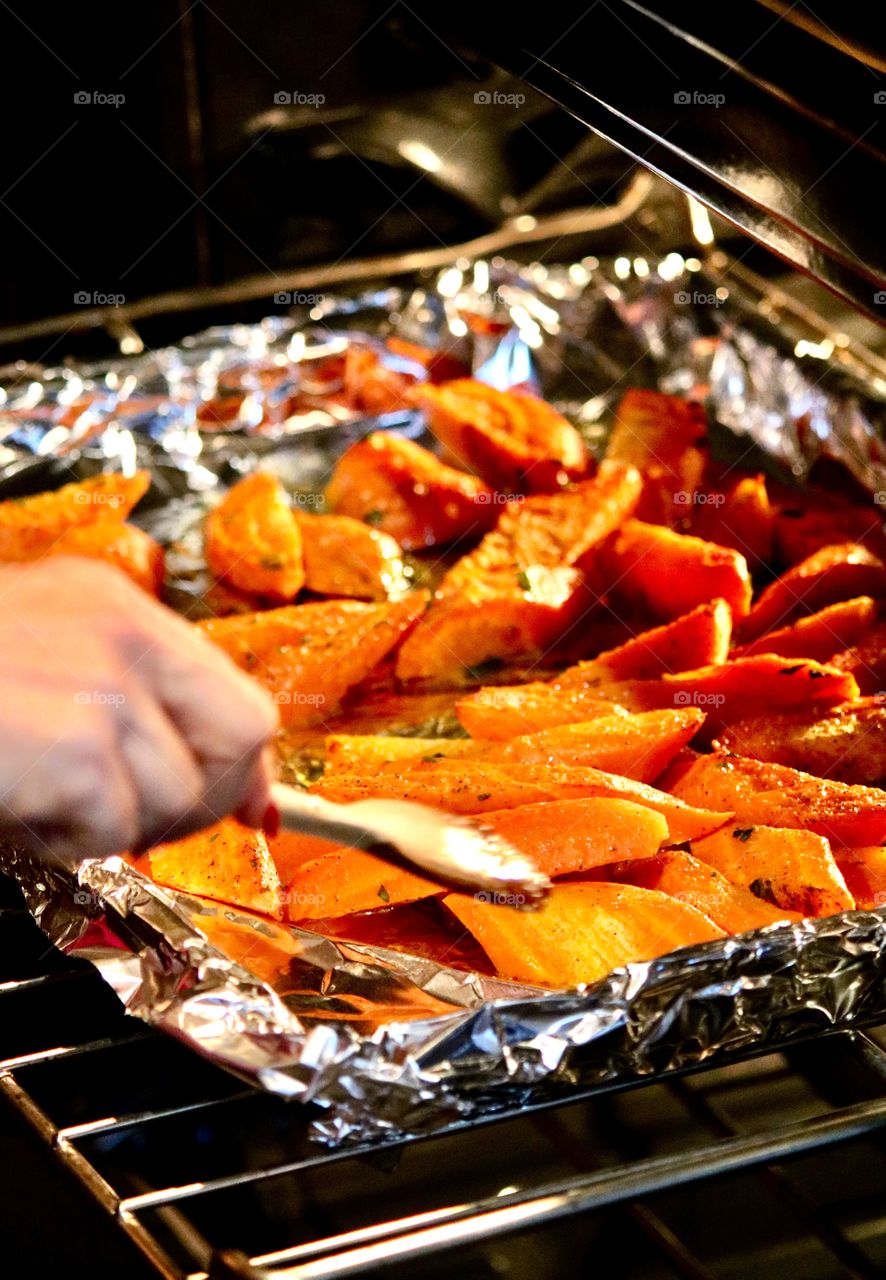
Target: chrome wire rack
(778, 1158)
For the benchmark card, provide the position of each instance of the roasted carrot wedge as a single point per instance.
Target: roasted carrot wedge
(740, 517)
(521, 589)
(345, 557)
(350, 880)
(353, 752)
(516, 443)
(510, 711)
(668, 573)
(846, 743)
(864, 871)
(665, 438)
(866, 661)
(124, 545)
(582, 932)
(742, 687)
(253, 541)
(310, 655)
(228, 862)
(567, 836)
(699, 639)
(402, 489)
(831, 574)
(29, 526)
(469, 786)
(732, 908)
(820, 635)
(634, 746)
(763, 794)
(794, 869)
(801, 529)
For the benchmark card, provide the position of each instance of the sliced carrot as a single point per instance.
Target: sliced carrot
(403, 490)
(668, 573)
(698, 639)
(820, 635)
(834, 573)
(352, 752)
(510, 711)
(665, 437)
(866, 661)
(126, 546)
(345, 557)
(516, 443)
(763, 794)
(680, 875)
(634, 746)
(740, 517)
(350, 880)
(310, 655)
(864, 871)
(29, 526)
(846, 743)
(521, 589)
(806, 523)
(253, 541)
(228, 862)
(794, 869)
(568, 836)
(582, 932)
(468, 786)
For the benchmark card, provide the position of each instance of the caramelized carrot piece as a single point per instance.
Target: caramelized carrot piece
(345, 557)
(310, 655)
(567, 836)
(698, 639)
(510, 711)
(668, 573)
(731, 907)
(403, 490)
(253, 541)
(831, 574)
(353, 752)
(846, 743)
(516, 443)
(866, 661)
(801, 530)
(794, 869)
(228, 862)
(468, 786)
(350, 880)
(521, 589)
(582, 932)
(820, 635)
(864, 871)
(764, 794)
(741, 517)
(30, 526)
(665, 438)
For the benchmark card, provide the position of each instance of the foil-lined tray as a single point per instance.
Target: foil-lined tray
(385, 1044)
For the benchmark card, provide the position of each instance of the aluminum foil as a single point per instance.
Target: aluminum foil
(384, 1044)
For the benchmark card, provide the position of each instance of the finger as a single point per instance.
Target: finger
(168, 781)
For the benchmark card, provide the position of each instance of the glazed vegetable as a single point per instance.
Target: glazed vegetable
(345, 557)
(310, 655)
(794, 869)
(866, 661)
(30, 526)
(740, 516)
(565, 837)
(764, 794)
(697, 639)
(666, 439)
(582, 932)
(732, 907)
(831, 574)
(253, 541)
(228, 862)
(403, 490)
(522, 588)
(516, 443)
(820, 635)
(846, 743)
(668, 574)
